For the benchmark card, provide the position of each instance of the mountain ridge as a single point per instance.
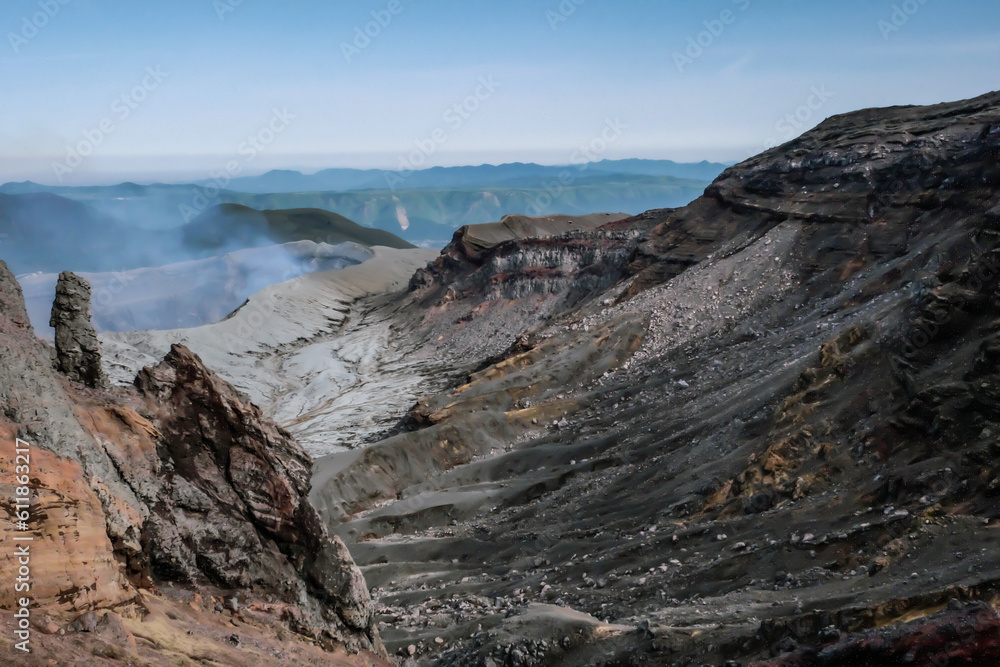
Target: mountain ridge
(482, 176)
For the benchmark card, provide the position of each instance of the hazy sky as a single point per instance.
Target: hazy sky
(180, 89)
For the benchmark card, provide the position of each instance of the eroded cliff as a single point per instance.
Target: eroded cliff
(150, 502)
(795, 447)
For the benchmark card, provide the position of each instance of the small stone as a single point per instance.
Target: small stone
(86, 622)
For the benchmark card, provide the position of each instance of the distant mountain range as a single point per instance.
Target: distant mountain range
(516, 174)
(424, 207)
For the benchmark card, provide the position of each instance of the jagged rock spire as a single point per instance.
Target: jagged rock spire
(78, 350)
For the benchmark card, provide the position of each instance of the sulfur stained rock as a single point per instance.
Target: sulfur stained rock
(77, 349)
(92, 510)
(72, 561)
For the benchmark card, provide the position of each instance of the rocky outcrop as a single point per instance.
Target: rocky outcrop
(520, 256)
(474, 241)
(176, 483)
(72, 557)
(959, 635)
(77, 349)
(867, 185)
(233, 505)
(94, 514)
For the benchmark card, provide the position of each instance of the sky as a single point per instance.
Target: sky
(100, 91)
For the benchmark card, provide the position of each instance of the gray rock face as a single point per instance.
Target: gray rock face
(77, 349)
(234, 507)
(521, 256)
(194, 486)
(32, 397)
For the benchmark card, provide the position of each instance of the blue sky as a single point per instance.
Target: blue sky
(555, 72)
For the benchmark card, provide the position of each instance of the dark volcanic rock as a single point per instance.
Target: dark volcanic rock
(234, 504)
(867, 185)
(520, 256)
(802, 447)
(77, 349)
(963, 635)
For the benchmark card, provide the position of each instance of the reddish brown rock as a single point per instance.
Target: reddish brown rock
(520, 256)
(179, 482)
(967, 635)
(234, 509)
(71, 559)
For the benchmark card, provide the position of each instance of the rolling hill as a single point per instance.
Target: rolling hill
(223, 226)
